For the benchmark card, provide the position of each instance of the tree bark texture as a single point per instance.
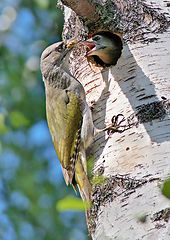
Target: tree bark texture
(128, 202)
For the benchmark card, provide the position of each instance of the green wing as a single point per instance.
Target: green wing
(64, 120)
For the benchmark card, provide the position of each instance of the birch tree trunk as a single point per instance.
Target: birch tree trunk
(128, 202)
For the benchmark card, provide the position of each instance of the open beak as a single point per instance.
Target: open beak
(91, 46)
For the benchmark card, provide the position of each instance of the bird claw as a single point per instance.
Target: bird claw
(116, 124)
(115, 119)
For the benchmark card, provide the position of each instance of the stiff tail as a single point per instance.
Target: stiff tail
(82, 180)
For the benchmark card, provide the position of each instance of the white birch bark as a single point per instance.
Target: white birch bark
(130, 205)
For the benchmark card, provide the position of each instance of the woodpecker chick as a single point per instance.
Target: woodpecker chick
(106, 46)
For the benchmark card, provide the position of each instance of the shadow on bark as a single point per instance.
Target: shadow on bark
(142, 96)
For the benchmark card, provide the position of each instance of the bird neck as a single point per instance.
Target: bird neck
(64, 63)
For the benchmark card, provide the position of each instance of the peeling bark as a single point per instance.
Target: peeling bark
(127, 202)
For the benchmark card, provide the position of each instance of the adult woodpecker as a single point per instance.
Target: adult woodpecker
(106, 46)
(69, 116)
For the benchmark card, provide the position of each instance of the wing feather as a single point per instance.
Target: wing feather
(64, 119)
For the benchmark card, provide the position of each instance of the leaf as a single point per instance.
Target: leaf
(70, 203)
(3, 128)
(42, 3)
(166, 188)
(18, 119)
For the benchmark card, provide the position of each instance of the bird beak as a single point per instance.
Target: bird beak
(68, 46)
(91, 46)
(71, 44)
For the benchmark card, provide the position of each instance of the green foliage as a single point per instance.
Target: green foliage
(3, 127)
(70, 203)
(166, 188)
(42, 3)
(97, 180)
(18, 119)
(30, 180)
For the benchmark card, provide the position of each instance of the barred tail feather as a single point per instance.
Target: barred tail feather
(82, 181)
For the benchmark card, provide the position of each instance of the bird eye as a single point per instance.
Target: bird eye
(96, 38)
(59, 48)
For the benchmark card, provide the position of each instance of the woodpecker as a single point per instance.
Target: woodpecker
(69, 117)
(106, 46)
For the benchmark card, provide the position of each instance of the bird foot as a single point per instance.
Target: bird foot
(117, 124)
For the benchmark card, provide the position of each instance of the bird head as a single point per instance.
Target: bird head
(55, 55)
(106, 46)
(51, 56)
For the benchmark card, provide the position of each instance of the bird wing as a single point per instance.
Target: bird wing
(64, 118)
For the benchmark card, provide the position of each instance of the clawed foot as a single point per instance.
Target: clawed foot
(117, 125)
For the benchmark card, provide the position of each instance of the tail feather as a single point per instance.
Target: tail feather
(77, 176)
(82, 181)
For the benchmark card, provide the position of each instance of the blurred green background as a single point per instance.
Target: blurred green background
(31, 182)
